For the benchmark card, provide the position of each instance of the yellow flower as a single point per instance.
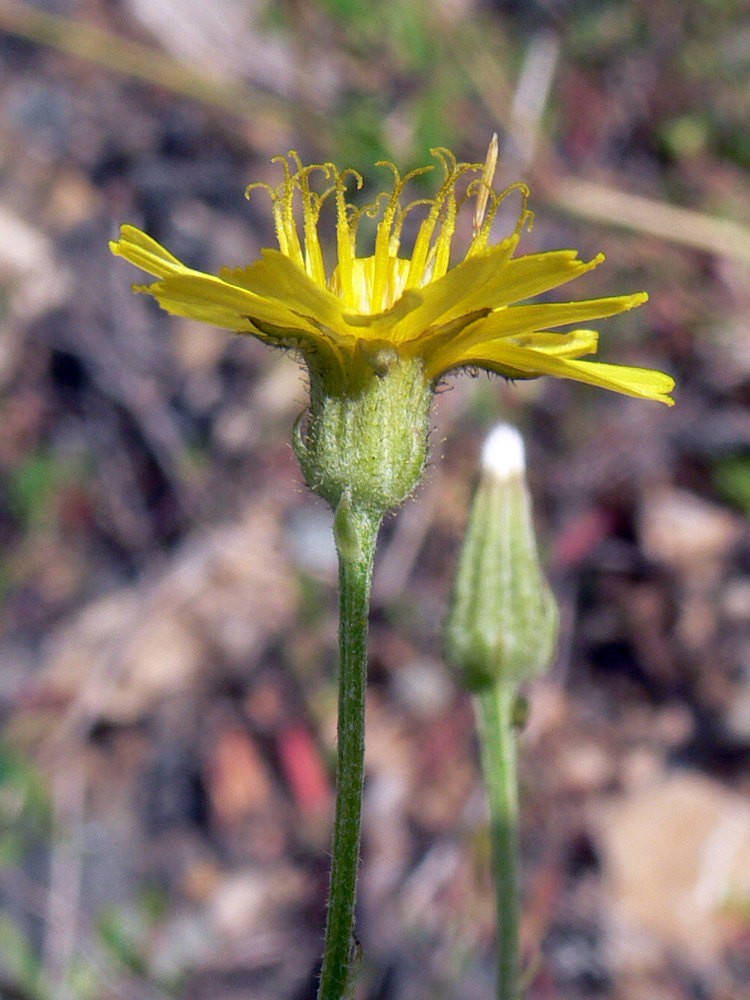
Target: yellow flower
(381, 331)
(372, 310)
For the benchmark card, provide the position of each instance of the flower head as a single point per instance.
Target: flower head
(371, 311)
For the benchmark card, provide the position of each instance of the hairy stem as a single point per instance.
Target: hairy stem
(356, 546)
(498, 739)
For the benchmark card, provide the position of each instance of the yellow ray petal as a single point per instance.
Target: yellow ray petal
(146, 253)
(451, 295)
(492, 279)
(380, 325)
(209, 299)
(229, 301)
(534, 274)
(278, 278)
(575, 344)
(516, 320)
(189, 294)
(514, 362)
(205, 313)
(529, 319)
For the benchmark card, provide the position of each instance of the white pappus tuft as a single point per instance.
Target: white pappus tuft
(503, 453)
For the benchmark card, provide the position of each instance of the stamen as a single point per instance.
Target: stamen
(261, 184)
(429, 267)
(453, 171)
(371, 210)
(446, 157)
(345, 237)
(372, 284)
(388, 239)
(448, 227)
(278, 221)
(401, 213)
(417, 172)
(278, 216)
(289, 244)
(480, 239)
(383, 238)
(311, 205)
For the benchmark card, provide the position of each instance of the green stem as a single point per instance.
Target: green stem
(356, 547)
(497, 733)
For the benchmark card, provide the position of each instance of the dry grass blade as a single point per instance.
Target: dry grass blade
(121, 55)
(600, 203)
(588, 199)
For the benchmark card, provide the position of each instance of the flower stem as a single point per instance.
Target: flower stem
(494, 709)
(356, 547)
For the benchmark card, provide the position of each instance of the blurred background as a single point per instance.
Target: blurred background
(167, 584)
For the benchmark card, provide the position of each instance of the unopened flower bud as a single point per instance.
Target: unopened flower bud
(502, 625)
